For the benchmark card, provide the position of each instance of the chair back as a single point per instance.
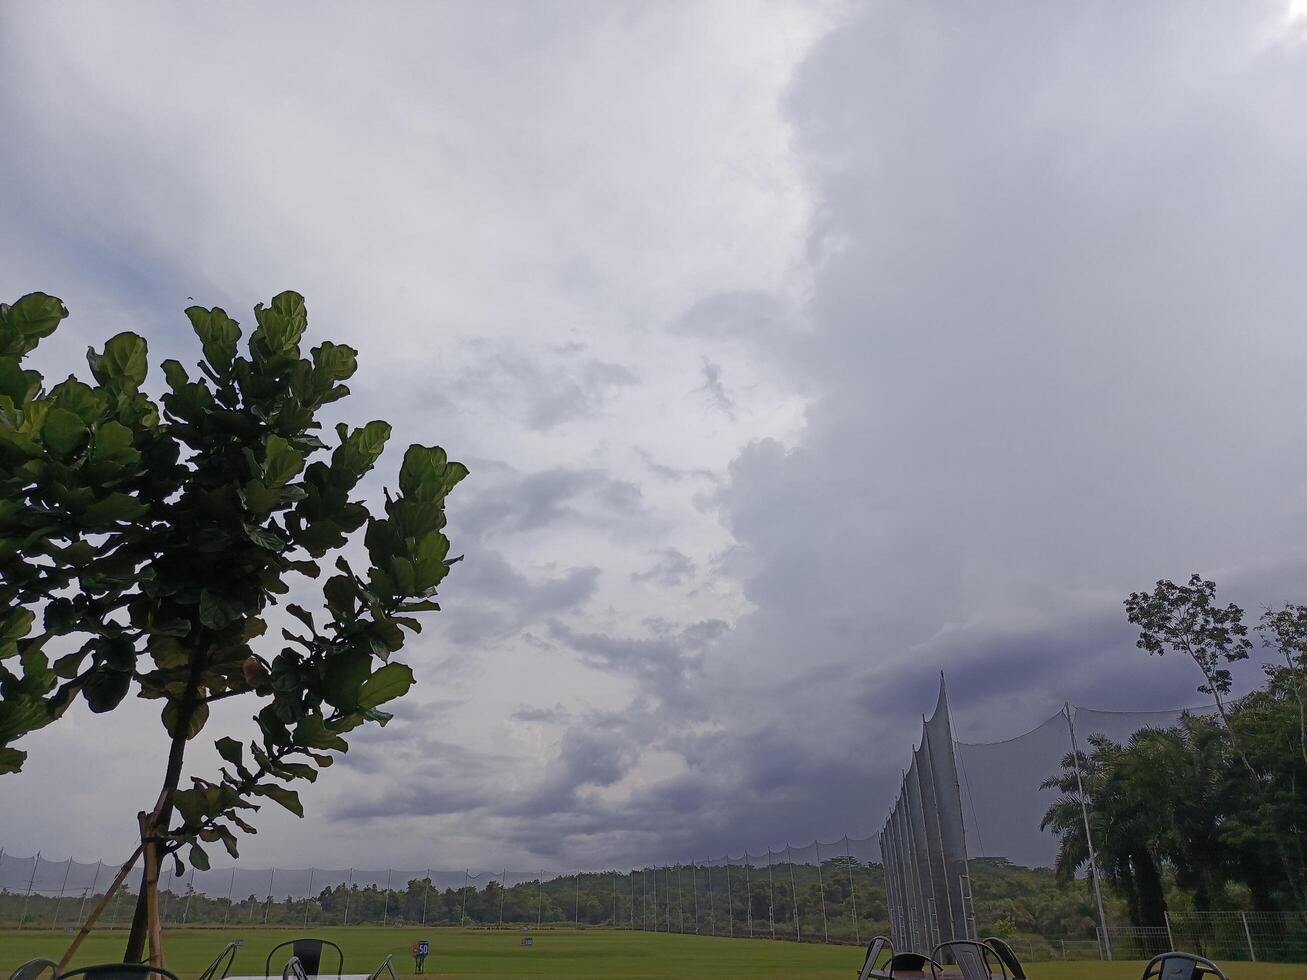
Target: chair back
(908, 962)
(973, 959)
(32, 969)
(221, 966)
(1177, 965)
(308, 952)
(293, 970)
(1007, 955)
(877, 946)
(119, 971)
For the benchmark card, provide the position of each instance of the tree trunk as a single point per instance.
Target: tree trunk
(145, 921)
(1152, 898)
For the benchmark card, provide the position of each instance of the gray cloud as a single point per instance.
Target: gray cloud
(670, 568)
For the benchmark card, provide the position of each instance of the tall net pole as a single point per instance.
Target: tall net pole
(1089, 837)
(680, 901)
(730, 904)
(22, 917)
(712, 908)
(385, 908)
(794, 893)
(667, 892)
(91, 891)
(771, 897)
(654, 908)
(748, 896)
(231, 886)
(426, 894)
(853, 892)
(190, 891)
(462, 913)
(576, 903)
(540, 898)
(613, 878)
(503, 887)
(821, 885)
(694, 890)
(349, 893)
(267, 906)
(58, 899)
(633, 899)
(308, 902)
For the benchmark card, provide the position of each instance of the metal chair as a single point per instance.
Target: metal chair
(1007, 955)
(386, 967)
(119, 971)
(293, 970)
(309, 954)
(223, 962)
(877, 946)
(32, 969)
(1176, 965)
(972, 958)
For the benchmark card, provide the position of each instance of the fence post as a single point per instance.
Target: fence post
(1252, 954)
(1170, 938)
(22, 918)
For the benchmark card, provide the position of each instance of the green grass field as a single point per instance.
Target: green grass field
(556, 953)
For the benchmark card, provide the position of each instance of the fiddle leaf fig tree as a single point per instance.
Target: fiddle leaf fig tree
(144, 543)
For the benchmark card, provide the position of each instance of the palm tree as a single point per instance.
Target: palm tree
(1125, 828)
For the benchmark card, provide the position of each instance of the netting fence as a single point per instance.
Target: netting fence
(820, 892)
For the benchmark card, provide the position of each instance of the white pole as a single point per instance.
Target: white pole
(771, 896)
(748, 896)
(730, 902)
(1252, 953)
(267, 906)
(1089, 838)
(230, 888)
(794, 894)
(89, 891)
(1170, 937)
(309, 900)
(694, 890)
(190, 890)
(385, 908)
(853, 892)
(426, 893)
(821, 885)
(349, 891)
(22, 918)
(54, 919)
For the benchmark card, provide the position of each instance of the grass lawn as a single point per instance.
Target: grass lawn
(556, 953)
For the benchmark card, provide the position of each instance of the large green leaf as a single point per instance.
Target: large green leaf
(390, 682)
(115, 507)
(359, 449)
(281, 463)
(172, 719)
(218, 335)
(427, 474)
(286, 797)
(63, 432)
(11, 760)
(123, 363)
(23, 325)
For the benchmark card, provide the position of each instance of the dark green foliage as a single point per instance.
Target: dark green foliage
(1177, 804)
(149, 539)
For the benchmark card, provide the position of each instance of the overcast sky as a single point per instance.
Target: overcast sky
(798, 351)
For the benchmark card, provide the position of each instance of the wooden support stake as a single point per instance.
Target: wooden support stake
(99, 908)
